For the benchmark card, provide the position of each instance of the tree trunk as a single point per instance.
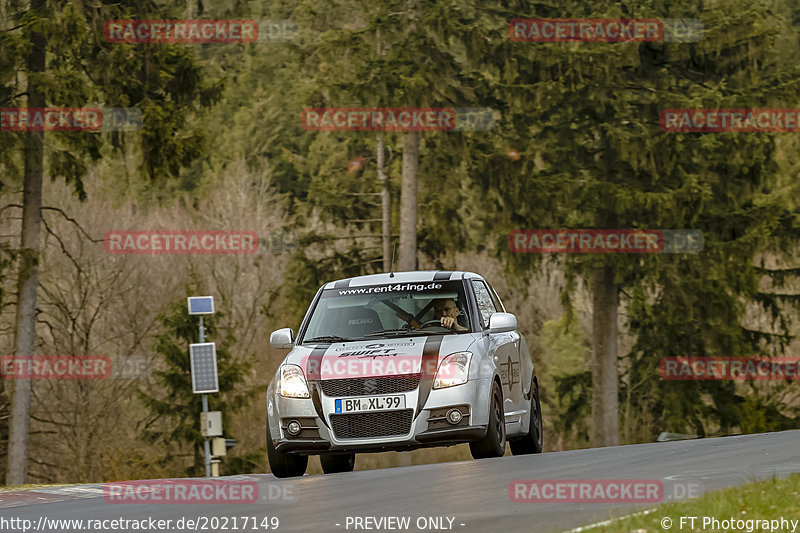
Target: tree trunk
(386, 207)
(28, 280)
(605, 408)
(407, 259)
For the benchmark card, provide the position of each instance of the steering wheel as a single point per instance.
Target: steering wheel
(433, 323)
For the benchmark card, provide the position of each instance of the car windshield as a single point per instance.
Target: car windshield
(394, 309)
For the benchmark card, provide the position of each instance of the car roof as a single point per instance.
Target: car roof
(416, 276)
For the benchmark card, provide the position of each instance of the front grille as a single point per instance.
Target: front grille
(370, 386)
(364, 425)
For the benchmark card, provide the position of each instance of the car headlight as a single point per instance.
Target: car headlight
(454, 370)
(293, 383)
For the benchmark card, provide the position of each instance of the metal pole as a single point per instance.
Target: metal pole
(206, 446)
(386, 208)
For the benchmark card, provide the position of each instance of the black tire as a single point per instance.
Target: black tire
(335, 463)
(282, 464)
(533, 440)
(493, 444)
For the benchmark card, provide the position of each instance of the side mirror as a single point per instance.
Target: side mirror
(282, 338)
(502, 322)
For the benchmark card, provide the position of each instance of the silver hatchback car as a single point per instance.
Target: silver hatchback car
(401, 361)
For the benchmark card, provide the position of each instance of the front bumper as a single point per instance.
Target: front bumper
(423, 425)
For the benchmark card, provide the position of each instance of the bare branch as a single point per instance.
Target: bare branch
(73, 221)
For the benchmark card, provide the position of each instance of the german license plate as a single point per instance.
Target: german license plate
(373, 403)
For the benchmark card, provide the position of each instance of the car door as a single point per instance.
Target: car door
(523, 353)
(504, 347)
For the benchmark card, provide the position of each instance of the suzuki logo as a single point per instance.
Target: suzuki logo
(370, 386)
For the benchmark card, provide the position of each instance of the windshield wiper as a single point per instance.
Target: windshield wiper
(410, 333)
(405, 332)
(328, 338)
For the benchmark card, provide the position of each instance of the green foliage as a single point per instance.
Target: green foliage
(565, 346)
(363, 53)
(565, 379)
(585, 117)
(760, 414)
(575, 395)
(166, 82)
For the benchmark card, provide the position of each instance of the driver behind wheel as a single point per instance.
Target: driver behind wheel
(446, 311)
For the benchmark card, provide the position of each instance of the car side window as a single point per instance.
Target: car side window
(485, 303)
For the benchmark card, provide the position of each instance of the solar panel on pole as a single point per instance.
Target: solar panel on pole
(203, 357)
(201, 305)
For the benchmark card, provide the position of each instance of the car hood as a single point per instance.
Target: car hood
(378, 357)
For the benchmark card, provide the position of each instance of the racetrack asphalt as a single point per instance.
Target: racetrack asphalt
(464, 496)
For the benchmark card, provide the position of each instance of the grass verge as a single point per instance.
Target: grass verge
(748, 506)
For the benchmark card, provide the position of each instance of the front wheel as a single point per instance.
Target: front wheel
(532, 441)
(494, 443)
(332, 464)
(283, 464)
